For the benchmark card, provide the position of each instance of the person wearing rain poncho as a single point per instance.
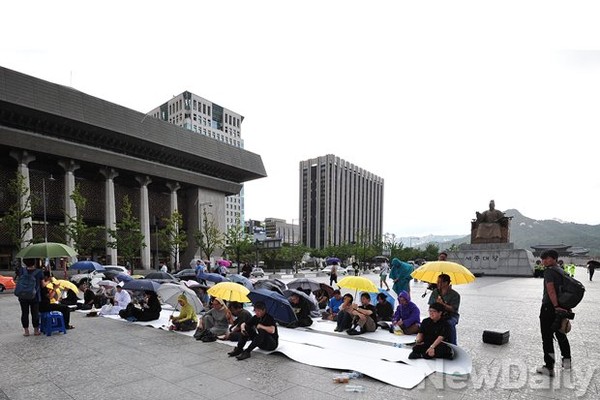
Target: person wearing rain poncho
(400, 275)
(407, 317)
(187, 319)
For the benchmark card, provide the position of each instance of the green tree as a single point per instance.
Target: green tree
(173, 236)
(85, 237)
(238, 242)
(13, 220)
(208, 237)
(292, 255)
(127, 238)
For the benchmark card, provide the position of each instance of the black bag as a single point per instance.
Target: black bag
(27, 285)
(496, 337)
(571, 292)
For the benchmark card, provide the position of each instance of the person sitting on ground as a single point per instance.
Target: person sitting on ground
(204, 297)
(384, 309)
(450, 299)
(149, 310)
(312, 297)
(407, 316)
(241, 315)
(322, 298)
(344, 315)
(261, 330)
(432, 333)
(46, 304)
(215, 322)
(364, 316)
(121, 300)
(187, 319)
(333, 306)
(301, 309)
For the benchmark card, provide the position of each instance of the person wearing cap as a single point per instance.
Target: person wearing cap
(187, 319)
(450, 300)
(432, 334)
(550, 306)
(260, 330)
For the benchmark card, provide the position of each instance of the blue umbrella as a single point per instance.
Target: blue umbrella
(277, 305)
(141, 284)
(87, 266)
(333, 260)
(237, 278)
(388, 296)
(211, 276)
(123, 277)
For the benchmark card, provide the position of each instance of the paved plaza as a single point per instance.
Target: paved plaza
(106, 359)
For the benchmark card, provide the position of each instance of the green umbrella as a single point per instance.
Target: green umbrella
(47, 250)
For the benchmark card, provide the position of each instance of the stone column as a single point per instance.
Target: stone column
(144, 181)
(23, 158)
(110, 218)
(70, 167)
(174, 187)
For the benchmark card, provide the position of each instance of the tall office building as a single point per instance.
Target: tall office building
(209, 119)
(339, 203)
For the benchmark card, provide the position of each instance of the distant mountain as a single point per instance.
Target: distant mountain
(525, 232)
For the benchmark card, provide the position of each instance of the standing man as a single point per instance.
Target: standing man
(552, 283)
(450, 300)
(333, 274)
(261, 330)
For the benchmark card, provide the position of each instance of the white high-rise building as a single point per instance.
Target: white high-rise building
(209, 119)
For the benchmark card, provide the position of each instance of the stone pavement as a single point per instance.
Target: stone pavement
(105, 359)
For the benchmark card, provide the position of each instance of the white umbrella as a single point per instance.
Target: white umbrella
(169, 292)
(107, 283)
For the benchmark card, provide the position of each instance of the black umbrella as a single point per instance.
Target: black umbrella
(141, 284)
(304, 283)
(303, 297)
(594, 263)
(268, 285)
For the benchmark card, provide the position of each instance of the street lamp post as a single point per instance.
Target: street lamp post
(44, 199)
(202, 210)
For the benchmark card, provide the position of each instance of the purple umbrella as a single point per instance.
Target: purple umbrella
(333, 260)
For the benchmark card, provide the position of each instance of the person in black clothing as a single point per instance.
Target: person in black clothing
(385, 310)
(46, 306)
(261, 330)
(302, 311)
(32, 305)
(432, 333)
(149, 312)
(364, 316)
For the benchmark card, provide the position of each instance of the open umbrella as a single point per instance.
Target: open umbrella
(388, 296)
(302, 295)
(123, 277)
(328, 289)
(358, 283)
(594, 263)
(141, 284)
(277, 305)
(380, 259)
(87, 265)
(230, 291)
(64, 284)
(333, 260)
(169, 292)
(237, 278)
(47, 250)
(107, 283)
(430, 271)
(212, 277)
(304, 283)
(268, 285)
(224, 263)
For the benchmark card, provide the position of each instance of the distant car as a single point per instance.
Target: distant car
(161, 277)
(6, 283)
(257, 273)
(340, 270)
(117, 268)
(188, 274)
(87, 277)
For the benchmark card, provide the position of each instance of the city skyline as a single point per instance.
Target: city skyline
(451, 104)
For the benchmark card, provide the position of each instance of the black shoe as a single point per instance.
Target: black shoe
(243, 356)
(353, 332)
(236, 352)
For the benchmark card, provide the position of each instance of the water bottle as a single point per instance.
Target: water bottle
(354, 388)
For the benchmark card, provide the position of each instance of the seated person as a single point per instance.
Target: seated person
(344, 316)
(241, 315)
(261, 330)
(364, 316)
(149, 310)
(322, 299)
(432, 333)
(204, 297)
(333, 306)
(301, 309)
(121, 300)
(187, 318)
(48, 293)
(407, 316)
(450, 299)
(384, 308)
(215, 322)
(76, 299)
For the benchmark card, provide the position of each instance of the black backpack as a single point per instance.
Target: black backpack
(570, 292)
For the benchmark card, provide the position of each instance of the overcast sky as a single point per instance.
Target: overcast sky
(453, 103)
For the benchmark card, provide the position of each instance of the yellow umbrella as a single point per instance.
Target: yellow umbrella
(358, 283)
(230, 291)
(63, 284)
(430, 271)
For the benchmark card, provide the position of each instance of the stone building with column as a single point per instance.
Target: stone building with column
(57, 137)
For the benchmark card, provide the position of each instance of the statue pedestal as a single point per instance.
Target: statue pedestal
(494, 259)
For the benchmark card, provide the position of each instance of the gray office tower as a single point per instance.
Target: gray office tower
(339, 203)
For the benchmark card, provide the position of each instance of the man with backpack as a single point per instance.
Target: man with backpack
(553, 282)
(28, 292)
